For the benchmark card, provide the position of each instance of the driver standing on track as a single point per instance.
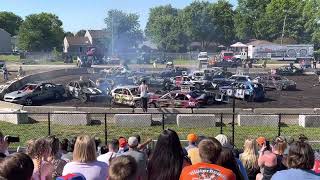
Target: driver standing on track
(143, 89)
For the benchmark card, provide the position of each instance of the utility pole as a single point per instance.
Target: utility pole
(283, 27)
(112, 41)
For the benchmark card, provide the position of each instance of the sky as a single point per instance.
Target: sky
(88, 14)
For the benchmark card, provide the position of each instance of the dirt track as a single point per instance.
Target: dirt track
(306, 96)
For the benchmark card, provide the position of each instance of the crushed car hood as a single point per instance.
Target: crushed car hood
(92, 91)
(16, 94)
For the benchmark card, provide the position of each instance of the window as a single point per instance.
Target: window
(118, 91)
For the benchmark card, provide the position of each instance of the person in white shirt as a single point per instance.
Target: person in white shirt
(143, 89)
(113, 149)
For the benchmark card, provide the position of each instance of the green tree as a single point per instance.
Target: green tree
(250, 20)
(125, 29)
(68, 34)
(311, 16)
(41, 32)
(81, 33)
(164, 28)
(10, 22)
(209, 22)
(291, 11)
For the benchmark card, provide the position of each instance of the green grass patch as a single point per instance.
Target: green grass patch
(274, 62)
(10, 58)
(184, 62)
(37, 130)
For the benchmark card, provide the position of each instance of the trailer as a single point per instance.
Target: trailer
(291, 52)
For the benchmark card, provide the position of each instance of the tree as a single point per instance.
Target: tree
(311, 16)
(290, 10)
(249, 19)
(81, 33)
(125, 29)
(164, 28)
(68, 34)
(41, 32)
(10, 22)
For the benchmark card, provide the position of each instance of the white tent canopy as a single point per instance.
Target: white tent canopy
(239, 45)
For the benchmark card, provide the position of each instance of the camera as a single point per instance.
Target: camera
(12, 139)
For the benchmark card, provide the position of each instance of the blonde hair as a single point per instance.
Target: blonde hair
(249, 157)
(84, 149)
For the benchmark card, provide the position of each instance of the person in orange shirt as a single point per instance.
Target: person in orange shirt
(209, 150)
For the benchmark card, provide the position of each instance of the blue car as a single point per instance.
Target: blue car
(244, 90)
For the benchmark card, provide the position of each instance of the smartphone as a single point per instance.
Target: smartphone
(12, 139)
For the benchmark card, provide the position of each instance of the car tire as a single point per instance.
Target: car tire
(152, 105)
(137, 104)
(284, 87)
(28, 102)
(83, 98)
(197, 86)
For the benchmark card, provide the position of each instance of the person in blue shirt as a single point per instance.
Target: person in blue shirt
(300, 162)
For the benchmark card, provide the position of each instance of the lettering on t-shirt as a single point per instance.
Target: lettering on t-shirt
(206, 174)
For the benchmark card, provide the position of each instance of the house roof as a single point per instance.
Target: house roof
(78, 40)
(259, 42)
(98, 34)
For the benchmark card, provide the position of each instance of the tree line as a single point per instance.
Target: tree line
(173, 29)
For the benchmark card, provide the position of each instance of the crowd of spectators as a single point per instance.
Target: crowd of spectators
(203, 158)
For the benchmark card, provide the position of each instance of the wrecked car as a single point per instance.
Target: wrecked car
(289, 71)
(174, 99)
(276, 82)
(31, 93)
(84, 90)
(247, 91)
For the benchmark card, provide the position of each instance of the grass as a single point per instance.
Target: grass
(10, 58)
(36, 130)
(184, 62)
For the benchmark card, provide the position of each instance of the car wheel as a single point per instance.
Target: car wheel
(137, 104)
(210, 101)
(284, 87)
(152, 105)
(197, 86)
(28, 102)
(83, 98)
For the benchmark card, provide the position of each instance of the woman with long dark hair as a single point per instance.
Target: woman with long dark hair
(168, 158)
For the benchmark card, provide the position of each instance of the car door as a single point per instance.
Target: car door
(180, 100)
(118, 96)
(49, 91)
(37, 94)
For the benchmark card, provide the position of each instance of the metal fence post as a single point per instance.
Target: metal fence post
(49, 125)
(279, 125)
(162, 121)
(221, 123)
(105, 130)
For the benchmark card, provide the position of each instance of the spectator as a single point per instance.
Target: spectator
(193, 153)
(85, 161)
(140, 157)
(260, 141)
(209, 150)
(113, 149)
(192, 138)
(3, 146)
(278, 149)
(142, 147)
(39, 150)
(123, 145)
(104, 150)
(168, 158)
(64, 146)
(300, 162)
(249, 158)
(68, 157)
(267, 162)
(17, 166)
(143, 89)
(225, 142)
(57, 162)
(123, 168)
(227, 160)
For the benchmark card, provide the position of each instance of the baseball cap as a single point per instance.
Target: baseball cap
(192, 137)
(224, 141)
(261, 140)
(122, 142)
(133, 141)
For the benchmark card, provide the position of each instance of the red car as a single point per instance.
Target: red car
(175, 99)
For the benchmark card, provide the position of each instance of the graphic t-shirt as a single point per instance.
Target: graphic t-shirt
(204, 171)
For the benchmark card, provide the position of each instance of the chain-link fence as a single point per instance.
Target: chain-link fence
(108, 126)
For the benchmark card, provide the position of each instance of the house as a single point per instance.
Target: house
(5, 42)
(80, 45)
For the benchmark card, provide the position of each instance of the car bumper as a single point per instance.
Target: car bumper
(13, 100)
